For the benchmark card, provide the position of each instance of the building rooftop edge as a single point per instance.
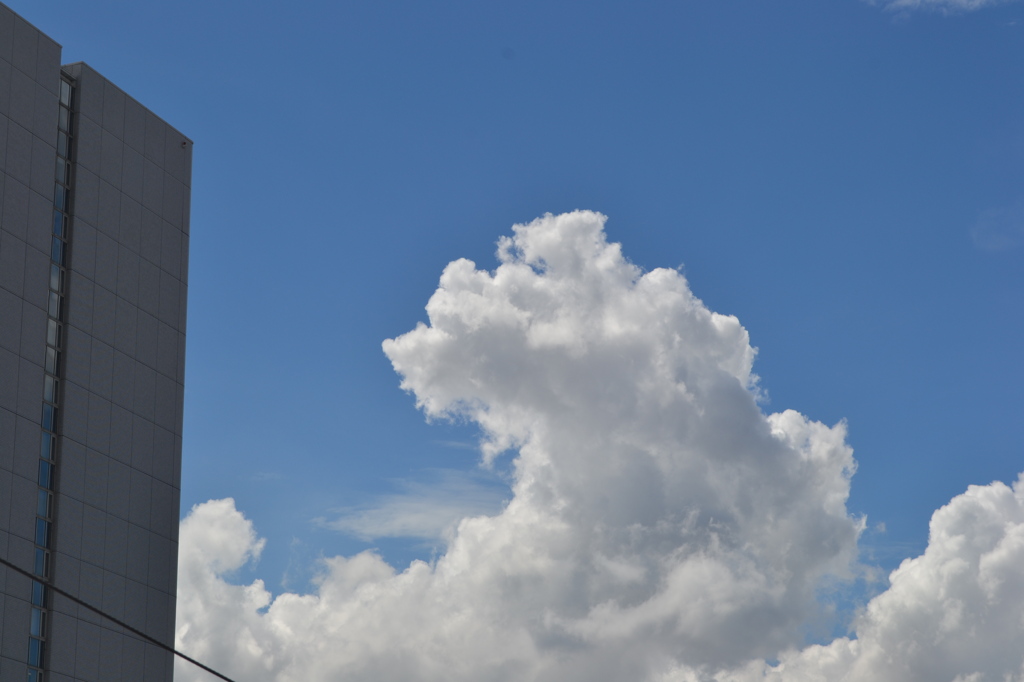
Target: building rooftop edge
(41, 32)
(81, 64)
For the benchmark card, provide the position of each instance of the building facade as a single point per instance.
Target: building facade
(94, 234)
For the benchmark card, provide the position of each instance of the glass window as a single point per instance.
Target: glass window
(45, 474)
(38, 594)
(53, 334)
(52, 360)
(62, 145)
(57, 251)
(49, 417)
(65, 93)
(63, 123)
(47, 450)
(50, 389)
(44, 503)
(42, 566)
(56, 277)
(42, 532)
(38, 622)
(35, 652)
(58, 223)
(54, 305)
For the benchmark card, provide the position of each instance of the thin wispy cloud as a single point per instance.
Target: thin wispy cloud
(427, 509)
(1000, 229)
(661, 527)
(943, 6)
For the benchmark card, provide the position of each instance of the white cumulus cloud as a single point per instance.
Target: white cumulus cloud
(661, 527)
(954, 613)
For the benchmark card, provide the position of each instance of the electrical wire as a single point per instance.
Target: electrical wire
(120, 623)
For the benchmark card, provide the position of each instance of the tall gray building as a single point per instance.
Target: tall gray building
(94, 238)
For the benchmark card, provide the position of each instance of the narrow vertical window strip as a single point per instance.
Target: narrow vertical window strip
(50, 419)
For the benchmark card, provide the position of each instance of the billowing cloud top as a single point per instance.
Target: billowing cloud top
(661, 527)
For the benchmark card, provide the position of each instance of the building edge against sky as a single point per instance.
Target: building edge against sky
(94, 234)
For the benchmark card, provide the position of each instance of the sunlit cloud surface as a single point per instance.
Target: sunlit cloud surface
(660, 526)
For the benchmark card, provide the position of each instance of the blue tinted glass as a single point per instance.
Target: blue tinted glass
(35, 652)
(38, 623)
(46, 446)
(42, 532)
(42, 566)
(45, 474)
(38, 594)
(58, 223)
(57, 251)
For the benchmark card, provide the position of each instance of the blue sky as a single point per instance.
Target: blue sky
(846, 178)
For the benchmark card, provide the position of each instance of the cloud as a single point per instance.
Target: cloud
(428, 509)
(954, 613)
(1000, 229)
(943, 6)
(660, 526)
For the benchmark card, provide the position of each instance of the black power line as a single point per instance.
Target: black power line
(120, 623)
